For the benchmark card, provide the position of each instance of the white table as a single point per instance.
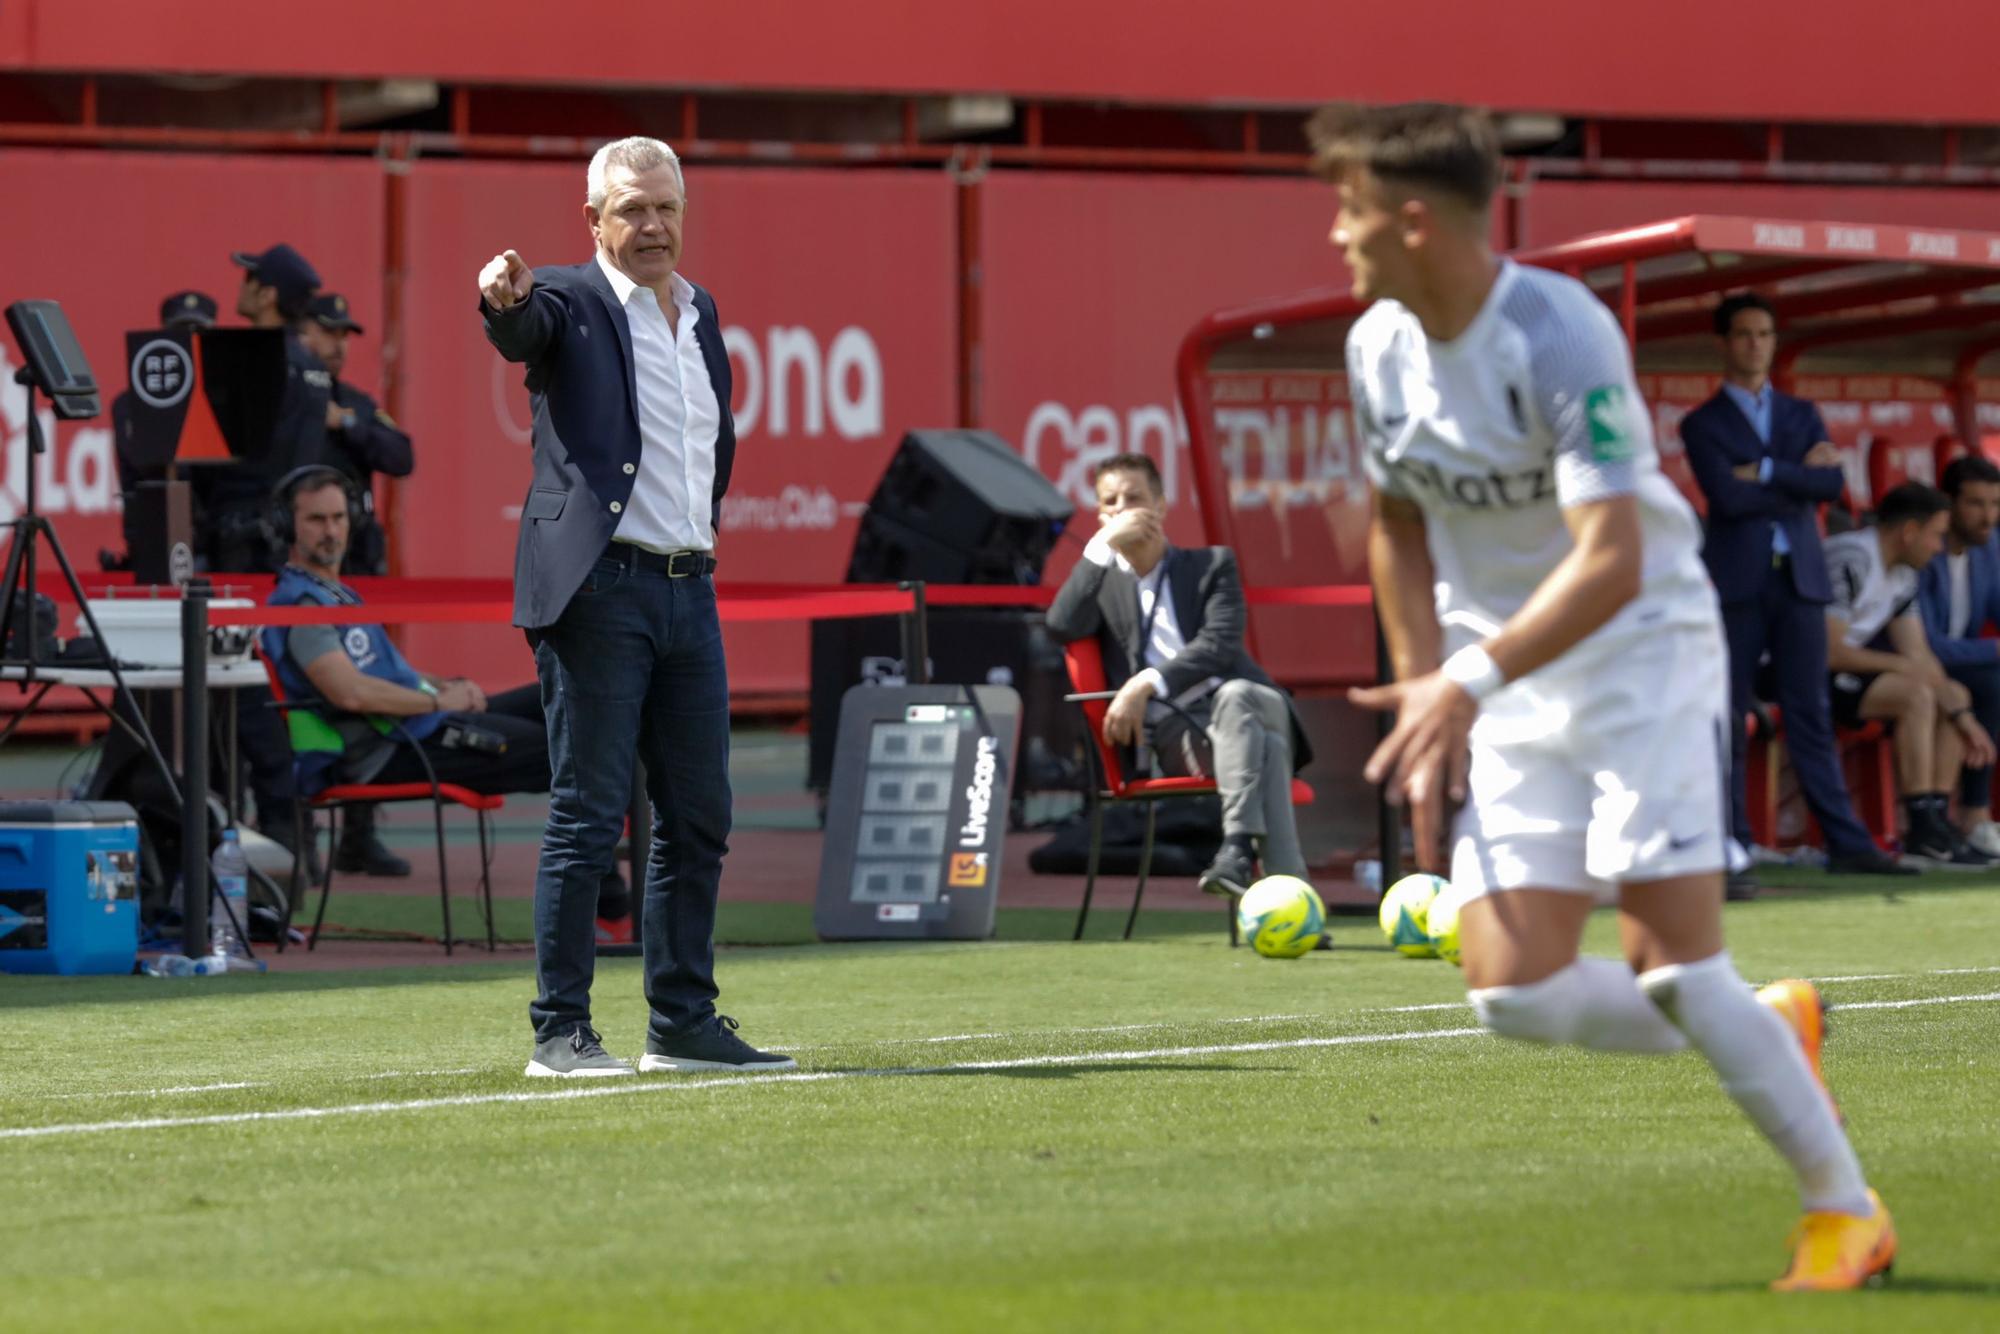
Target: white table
(239, 675)
(221, 676)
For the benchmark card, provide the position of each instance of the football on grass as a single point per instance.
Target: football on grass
(1405, 914)
(1442, 923)
(1281, 917)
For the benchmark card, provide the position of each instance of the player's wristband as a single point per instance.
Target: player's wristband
(1473, 670)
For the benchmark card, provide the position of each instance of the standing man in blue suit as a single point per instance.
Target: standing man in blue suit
(1764, 464)
(1959, 593)
(613, 582)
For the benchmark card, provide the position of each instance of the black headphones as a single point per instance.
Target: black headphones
(285, 495)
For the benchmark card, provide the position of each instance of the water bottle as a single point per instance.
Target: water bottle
(232, 893)
(170, 965)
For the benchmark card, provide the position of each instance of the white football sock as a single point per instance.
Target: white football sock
(1593, 1002)
(1763, 1068)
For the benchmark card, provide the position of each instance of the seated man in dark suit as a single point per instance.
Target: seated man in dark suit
(1764, 465)
(1171, 625)
(1959, 594)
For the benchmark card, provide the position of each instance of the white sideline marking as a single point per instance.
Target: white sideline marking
(1906, 1004)
(1061, 1032)
(606, 1088)
(160, 1093)
(1067, 1032)
(253, 1084)
(1890, 977)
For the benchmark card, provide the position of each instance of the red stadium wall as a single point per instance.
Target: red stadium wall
(1090, 283)
(1839, 60)
(109, 234)
(840, 296)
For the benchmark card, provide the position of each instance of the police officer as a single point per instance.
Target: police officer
(362, 438)
(277, 284)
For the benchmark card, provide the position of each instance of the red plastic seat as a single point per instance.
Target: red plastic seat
(1110, 783)
(1868, 756)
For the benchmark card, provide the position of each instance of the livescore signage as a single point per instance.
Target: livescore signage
(917, 814)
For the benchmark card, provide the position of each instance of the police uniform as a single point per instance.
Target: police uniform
(367, 442)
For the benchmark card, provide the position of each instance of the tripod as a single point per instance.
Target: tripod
(18, 587)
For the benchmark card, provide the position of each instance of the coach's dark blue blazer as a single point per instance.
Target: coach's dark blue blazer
(1719, 438)
(577, 344)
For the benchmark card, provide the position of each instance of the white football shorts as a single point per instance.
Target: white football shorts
(1601, 771)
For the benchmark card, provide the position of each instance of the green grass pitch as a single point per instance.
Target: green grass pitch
(1027, 1134)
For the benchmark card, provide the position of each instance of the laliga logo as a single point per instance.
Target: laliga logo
(357, 642)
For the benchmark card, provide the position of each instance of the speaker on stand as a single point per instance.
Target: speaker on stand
(956, 507)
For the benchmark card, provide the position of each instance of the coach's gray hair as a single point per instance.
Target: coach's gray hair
(635, 154)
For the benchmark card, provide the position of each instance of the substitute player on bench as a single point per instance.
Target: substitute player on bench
(1515, 475)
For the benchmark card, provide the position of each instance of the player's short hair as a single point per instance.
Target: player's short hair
(1732, 306)
(1135, 462)
(635, 154)
(1433, 145)
(1968, 468)
(1910, 502)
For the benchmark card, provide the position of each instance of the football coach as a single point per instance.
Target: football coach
(613, 583)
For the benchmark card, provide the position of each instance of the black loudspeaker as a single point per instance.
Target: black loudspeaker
(958, 507)
(968, 646)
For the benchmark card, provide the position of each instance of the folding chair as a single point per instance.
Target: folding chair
(1109, 784)
(335, 799)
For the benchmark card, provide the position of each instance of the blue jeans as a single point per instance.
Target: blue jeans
(633, 667)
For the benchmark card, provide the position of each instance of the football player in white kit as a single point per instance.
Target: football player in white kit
(1559, 660)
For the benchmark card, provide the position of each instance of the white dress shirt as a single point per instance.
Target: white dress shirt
(672, 493)
(1959, 567)
(1164, 640)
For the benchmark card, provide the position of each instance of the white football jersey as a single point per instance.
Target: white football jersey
(1867, 594)
(1531, 409)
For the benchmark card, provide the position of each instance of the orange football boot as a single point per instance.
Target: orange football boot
(1837, 1252)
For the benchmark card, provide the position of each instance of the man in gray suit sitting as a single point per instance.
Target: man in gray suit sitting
(1170, 622)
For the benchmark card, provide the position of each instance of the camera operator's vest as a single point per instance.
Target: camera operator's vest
(330, 747)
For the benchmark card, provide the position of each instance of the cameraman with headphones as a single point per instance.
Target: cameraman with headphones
(386, 710)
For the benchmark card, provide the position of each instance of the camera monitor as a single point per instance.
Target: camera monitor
(56, 364)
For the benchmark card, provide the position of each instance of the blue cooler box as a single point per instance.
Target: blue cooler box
(69, 887)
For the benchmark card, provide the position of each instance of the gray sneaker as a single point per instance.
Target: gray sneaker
(577, 1054)
(710, 1045)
